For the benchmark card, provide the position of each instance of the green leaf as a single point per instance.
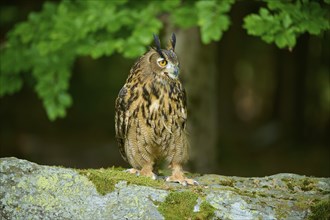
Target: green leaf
(286, 39)
(212, 20)
(286, 21)
(185, 16)
(10, 84)
(65, 99)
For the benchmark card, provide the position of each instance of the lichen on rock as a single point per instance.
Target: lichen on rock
(32, 191)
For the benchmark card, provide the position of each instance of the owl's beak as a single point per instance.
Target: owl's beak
(173, 71)
(176, 71)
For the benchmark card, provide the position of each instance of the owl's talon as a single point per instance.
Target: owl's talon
(149, 174)
(142, 173)
(183, 182)
(154, 176)
(133, 171)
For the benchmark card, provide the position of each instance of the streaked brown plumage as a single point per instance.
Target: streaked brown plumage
(151, 114)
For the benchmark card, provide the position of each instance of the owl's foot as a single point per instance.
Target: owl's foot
(143, 172)
(182, 180)
(178, 176)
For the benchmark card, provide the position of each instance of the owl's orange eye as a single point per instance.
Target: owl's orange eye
(162, 62)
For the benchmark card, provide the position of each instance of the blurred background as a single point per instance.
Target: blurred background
(254, 109)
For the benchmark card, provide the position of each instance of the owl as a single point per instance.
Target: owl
(151, 115)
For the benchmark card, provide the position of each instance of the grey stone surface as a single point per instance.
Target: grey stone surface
(32, 191)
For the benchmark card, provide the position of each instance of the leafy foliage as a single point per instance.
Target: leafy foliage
(212, 20)
(49, 41)
(284, 21)
(47, 44)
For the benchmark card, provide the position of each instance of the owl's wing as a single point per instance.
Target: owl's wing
(121, 120)
(183, 100)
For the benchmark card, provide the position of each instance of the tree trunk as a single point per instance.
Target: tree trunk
(198, 73)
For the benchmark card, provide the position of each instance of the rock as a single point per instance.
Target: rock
(32, 191)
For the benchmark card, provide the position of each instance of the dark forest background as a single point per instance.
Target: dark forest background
(254, 109)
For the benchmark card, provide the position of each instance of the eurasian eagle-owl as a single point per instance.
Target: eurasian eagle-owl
(151, 114)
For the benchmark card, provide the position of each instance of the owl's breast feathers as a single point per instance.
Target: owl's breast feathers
(152, 109)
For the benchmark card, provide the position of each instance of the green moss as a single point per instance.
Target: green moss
(227, 182)
(282, 210)
(305, 184)
(206, 211)
(290, 186)
(106, 179)
(242, 192)
(324, 192)
(180, 205)
(212, 179)
(320, 211)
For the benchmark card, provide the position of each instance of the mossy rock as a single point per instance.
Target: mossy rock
(106, 179)
(32, 191)
(185, 205)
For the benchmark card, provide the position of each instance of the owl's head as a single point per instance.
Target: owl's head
(164, 62)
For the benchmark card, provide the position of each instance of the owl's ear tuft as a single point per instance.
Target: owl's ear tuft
(172, 42)
(157, 43)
